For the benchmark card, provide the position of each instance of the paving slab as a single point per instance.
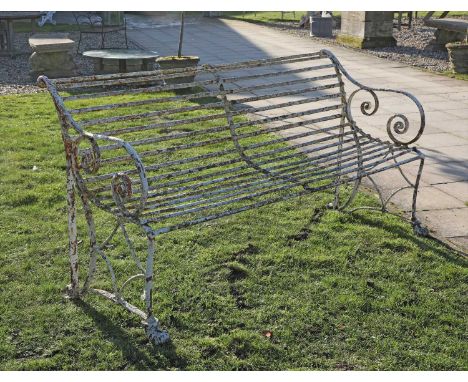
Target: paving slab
(444, 183)
(458, 190)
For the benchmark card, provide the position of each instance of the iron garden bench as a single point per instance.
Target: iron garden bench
(164, 154)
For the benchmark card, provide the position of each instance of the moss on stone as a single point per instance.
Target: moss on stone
(365, 43)
(353, 41)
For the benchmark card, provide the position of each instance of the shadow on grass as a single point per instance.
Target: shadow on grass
(306, 230)
(154, 358)
(421, 242)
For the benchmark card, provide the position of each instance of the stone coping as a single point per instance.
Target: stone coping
(455, 25)
(51, 42)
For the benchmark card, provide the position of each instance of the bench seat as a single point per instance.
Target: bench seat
(183, 196)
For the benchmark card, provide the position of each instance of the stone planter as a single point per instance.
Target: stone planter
(174, 62)
(321, 26)
(458, 55)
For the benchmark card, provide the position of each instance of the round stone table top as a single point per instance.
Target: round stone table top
(121, 54)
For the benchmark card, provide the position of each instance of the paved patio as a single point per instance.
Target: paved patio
(443, 198)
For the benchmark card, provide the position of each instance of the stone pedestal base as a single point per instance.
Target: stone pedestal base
(458, 55)
(52, 55)
(110, 66)
(367, 29)
(443, 37)
(53, 64)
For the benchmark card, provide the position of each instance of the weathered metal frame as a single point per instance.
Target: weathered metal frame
(131, 200)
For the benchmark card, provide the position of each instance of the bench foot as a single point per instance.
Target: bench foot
(419, 229)
(72, 293)
(154, 331)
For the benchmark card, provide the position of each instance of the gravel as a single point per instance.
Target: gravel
(410, 49)
(14, 72)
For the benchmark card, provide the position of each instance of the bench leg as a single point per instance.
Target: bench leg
(418, 228)
(92, 244)
(153, 330)
(73, 288)
(340, 202)
(79, 43)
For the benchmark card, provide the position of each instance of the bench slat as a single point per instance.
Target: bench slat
(270, 190)
(160, 75)
(155, 183)
(210, 197)
(211, 154)
(224, 80)
(100, 121)
(63, 82)
(253, 177)
(173, 174)
(145, 154)
(217, 129)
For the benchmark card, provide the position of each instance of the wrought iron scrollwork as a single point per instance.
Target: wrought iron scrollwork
(398, 124)
(368, 108)
(91, 157)
(122, 190)
(121, 184)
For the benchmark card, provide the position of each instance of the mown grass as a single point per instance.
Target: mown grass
(275, 16)
(266, 16)
(26, 27)
(458, 76)
(288, 286)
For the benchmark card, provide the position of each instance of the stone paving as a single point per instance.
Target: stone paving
(443, 198)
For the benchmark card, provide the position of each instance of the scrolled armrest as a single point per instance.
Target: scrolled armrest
(90, 160)
(398, 124)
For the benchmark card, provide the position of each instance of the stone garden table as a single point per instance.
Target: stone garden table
(121, 60)
(9, 18)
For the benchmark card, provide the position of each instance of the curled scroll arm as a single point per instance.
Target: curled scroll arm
(398, 124)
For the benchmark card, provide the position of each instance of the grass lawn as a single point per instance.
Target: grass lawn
(458, 76)
(275, 288)
(269, 17)
(25, 27)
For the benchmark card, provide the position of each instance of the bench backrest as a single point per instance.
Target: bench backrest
(231, 118)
